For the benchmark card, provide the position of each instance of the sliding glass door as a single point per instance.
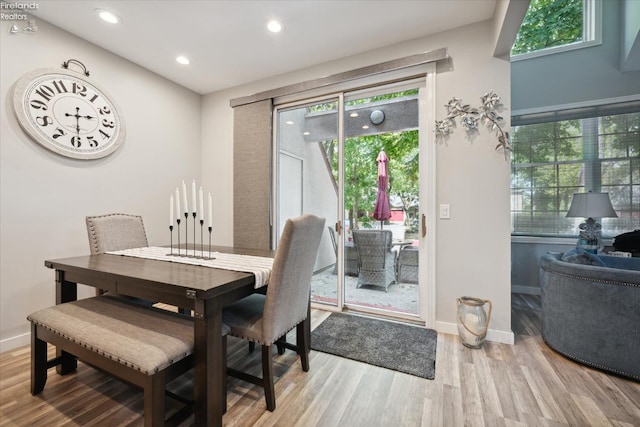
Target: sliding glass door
(356, 159)
(308, 180)
(381, 189)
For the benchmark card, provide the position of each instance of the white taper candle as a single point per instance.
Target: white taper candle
(184, 197)
(171, 211)
(178, 211)
(193, 196)
(201, 200)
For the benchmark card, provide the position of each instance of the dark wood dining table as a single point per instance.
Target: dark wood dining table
(205, 290)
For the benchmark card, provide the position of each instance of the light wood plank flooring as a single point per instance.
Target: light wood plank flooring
(526, 384)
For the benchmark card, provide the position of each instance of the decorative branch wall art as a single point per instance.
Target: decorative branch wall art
(472, 118)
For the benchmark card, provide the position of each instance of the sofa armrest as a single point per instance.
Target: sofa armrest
(590, 314)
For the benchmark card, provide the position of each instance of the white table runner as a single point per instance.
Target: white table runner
(259, 266)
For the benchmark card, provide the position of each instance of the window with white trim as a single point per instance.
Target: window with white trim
(553, 26)
(552, 159)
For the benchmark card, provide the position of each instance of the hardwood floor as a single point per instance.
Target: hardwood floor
(526, 384)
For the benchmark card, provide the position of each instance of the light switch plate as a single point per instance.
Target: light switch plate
(445, 212)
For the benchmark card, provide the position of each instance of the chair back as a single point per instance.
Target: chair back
(373, 247)
(114, 232)
(289, 289)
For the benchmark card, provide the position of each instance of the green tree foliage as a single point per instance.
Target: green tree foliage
(537, 148)
(361, 168)
(549, 23)
(361, 171)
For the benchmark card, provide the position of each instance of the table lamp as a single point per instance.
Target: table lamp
(591, 205)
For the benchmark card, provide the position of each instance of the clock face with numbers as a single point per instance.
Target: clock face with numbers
(68, 114)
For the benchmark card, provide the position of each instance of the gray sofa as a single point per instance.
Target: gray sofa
(591, 310)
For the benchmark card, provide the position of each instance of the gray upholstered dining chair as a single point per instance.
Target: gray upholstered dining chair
(114, 232)
(264, 319)
(376, 259)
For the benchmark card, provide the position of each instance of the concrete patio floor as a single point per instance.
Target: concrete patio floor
(402, 297)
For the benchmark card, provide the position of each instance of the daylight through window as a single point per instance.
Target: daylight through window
(553, 160)
(552, 26)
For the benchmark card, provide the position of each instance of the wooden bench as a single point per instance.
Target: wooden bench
(143, 346)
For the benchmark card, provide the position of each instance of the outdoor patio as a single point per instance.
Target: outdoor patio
(402, 297)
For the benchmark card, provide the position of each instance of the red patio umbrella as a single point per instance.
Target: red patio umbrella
(382, 211)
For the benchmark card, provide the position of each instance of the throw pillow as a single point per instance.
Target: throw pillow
(580, 256)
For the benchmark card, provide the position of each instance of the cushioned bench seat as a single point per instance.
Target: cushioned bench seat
(142, 345)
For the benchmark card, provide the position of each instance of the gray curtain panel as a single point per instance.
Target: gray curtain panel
(252, 175)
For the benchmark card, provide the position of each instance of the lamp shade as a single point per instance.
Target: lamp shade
(591, 205)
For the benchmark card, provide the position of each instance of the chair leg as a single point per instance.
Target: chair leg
(267, 377)
(307, 323)
(279, 344)
(252, 346)
(303, 339)
(38, 362)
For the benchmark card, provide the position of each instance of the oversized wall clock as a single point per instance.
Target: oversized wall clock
(67, 113)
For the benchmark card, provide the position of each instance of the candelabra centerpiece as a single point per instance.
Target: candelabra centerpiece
(198, 216)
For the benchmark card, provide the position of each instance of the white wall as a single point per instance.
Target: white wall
(473, 247)
(45, 197)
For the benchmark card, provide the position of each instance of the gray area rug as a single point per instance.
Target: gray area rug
(403, 348)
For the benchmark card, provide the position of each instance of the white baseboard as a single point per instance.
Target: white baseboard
(444, 327)
(15, 342)
(529, 290)
(492, 335)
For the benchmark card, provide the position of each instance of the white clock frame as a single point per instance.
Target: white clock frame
(49, 92)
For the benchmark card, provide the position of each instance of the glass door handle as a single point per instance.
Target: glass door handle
(339, 227)
(424, 225)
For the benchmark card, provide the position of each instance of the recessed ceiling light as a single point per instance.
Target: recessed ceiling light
(289, 122)
(274, 26)
(365, 127)
(353, 115)
(183, 60)
(306, 133)
(107, 16)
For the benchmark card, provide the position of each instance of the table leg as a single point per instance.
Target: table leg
(65, 291)
(210, 398)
